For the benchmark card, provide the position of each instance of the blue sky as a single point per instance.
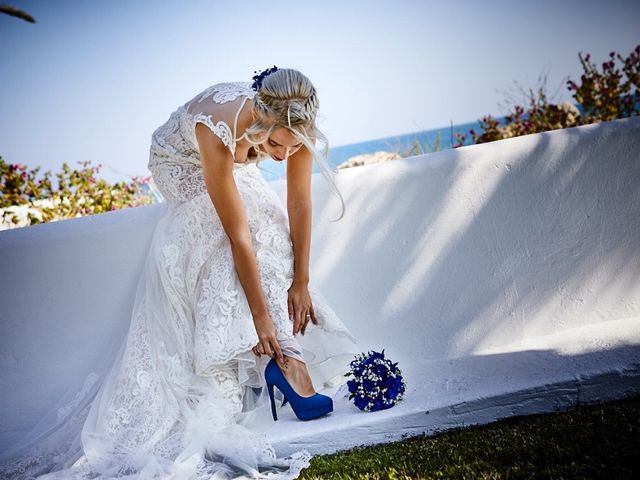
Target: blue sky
(91, 80)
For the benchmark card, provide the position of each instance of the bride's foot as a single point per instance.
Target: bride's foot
(297, 375)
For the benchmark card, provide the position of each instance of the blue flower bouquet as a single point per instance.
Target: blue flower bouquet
(377, 383)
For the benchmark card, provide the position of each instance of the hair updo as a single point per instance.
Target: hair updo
(286, 98)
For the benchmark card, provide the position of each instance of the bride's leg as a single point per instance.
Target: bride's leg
(294, 367)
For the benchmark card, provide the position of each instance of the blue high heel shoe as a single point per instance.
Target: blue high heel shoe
(305, 408)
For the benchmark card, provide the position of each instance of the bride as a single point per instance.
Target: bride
(226, 320)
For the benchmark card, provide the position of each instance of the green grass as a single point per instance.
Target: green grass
(591, 441)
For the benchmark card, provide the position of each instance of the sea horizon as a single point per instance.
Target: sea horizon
(403, 143)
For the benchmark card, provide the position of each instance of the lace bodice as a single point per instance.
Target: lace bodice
(174, 156)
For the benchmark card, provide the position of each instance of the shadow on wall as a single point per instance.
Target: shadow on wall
(487, 244)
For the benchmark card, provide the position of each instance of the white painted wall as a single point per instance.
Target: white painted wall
(438, 257)
(485, 245)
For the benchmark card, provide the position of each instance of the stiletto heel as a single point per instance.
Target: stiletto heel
(273, 403)
(305, 408)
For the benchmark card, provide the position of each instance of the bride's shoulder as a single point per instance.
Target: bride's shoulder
(223, 92)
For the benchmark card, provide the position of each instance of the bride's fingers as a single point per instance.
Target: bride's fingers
(278, 352)
(309, 316)
(296, 325)
(299, 317)
(293, 317)
(299, 314)
(290, 306)
(273, 349)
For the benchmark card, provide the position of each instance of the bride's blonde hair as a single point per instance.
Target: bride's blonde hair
(286, 98)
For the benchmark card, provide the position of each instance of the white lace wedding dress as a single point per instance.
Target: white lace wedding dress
(181, 398)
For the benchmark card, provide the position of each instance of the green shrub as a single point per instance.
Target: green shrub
(607, 94)
(27, 200)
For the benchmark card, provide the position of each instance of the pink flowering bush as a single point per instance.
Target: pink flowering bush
(611, 93)
(608, 93)
(26, 199)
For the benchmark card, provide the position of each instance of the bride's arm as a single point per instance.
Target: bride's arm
(299, 209)
(217, 169)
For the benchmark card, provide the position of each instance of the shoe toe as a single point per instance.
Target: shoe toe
(327, 401)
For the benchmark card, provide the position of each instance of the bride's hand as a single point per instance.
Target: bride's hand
(267, 341)
(300, 307)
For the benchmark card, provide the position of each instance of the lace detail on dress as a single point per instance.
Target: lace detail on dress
(221, 129)
(174, 155)
(227, 92)
(220, 94)
(222, 316)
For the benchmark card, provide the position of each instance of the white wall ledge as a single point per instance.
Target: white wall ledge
(474, 258)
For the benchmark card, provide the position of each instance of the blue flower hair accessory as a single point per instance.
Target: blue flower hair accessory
(257, 79)
(377, 384)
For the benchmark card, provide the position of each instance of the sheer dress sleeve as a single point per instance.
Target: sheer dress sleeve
(218, 108)
(174, 158)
